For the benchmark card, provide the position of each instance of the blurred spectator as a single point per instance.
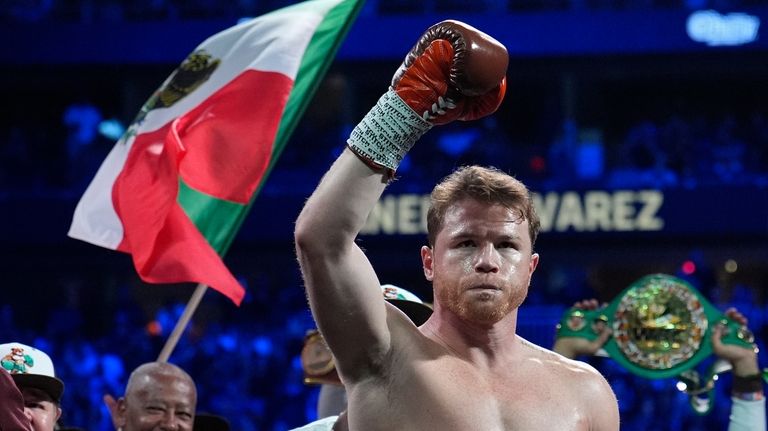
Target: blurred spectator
(82, 119)
(642, 162)
(158, 394)
(728, 153)
(33, 373)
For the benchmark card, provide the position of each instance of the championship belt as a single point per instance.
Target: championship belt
(317, 361)
(661, 327)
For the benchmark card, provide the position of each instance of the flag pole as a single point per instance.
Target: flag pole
(186, 316)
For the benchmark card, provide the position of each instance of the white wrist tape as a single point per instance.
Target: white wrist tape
(387, 131)
(747, 415)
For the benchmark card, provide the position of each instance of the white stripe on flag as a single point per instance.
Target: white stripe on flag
(95, 219)
(267, 43)
(272, 43)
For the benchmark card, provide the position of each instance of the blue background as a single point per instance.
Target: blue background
(603, 96)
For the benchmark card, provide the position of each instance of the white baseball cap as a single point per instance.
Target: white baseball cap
(30, 368)
(413, 307)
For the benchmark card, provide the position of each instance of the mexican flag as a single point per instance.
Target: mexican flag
(177, 186)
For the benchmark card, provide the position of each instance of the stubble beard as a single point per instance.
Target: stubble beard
(480, 312)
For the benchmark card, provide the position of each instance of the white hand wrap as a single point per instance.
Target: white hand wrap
(747, 415)
(387, 131)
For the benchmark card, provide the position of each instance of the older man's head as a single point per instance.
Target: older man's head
(159, 396)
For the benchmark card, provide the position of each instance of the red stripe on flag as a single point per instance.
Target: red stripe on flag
(222, 148)
(165, 245)
(229, 137)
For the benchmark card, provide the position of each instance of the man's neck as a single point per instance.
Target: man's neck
(477, 343)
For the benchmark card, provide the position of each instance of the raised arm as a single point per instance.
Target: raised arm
(341, 285)
(573, 347)
(748, 408)
(453, 72)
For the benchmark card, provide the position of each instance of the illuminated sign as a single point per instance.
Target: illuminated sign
(714, 29)
(591, 211)
(600, 211)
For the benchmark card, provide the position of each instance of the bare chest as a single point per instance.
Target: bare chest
(450, 394)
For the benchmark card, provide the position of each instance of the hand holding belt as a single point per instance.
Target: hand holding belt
(661, 327)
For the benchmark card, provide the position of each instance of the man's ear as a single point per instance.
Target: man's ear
(534, 264)
(427, 262)
(119, 417)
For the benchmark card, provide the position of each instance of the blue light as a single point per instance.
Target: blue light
(263, 346)
(228, 342)
(714, 29)
(111, 129)
(113, 367)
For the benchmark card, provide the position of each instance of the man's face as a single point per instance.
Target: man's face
(40, 409)
(481, 263)
(159, 403)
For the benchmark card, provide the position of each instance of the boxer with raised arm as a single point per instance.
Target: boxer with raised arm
(465, 368)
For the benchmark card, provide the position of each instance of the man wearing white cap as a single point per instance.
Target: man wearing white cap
(33, 373)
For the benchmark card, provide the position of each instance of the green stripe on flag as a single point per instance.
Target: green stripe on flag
(216, 219)
(315, 63)
(219, 220)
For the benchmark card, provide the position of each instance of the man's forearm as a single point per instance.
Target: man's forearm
(339, 207)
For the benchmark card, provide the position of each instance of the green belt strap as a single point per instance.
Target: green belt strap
(661, 327)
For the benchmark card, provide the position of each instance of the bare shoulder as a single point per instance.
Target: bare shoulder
(582, 382)
(585, 376)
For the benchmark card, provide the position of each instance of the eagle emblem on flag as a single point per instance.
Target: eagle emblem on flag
(193, 72)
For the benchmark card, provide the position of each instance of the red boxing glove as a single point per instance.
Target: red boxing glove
(454, 72)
